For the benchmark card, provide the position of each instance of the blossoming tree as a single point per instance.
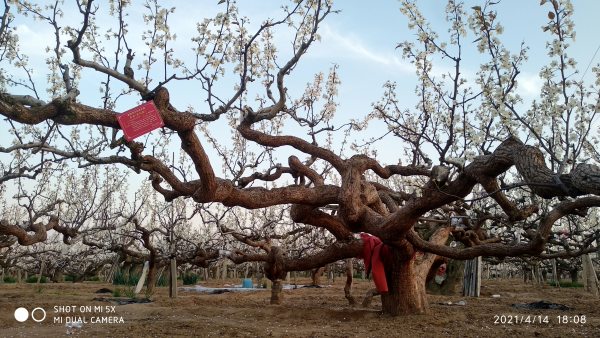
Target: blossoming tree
(461, 145)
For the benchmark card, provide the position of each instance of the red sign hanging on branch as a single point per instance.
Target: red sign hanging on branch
(140, 120)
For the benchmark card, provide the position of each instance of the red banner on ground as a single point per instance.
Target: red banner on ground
(140, 120)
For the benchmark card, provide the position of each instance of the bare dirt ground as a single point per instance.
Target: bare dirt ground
(307, 312)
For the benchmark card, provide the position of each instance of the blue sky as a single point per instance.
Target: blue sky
(361, 40)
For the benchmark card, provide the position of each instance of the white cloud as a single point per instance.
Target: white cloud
(33, 43)
(338, 44)
(529, 85)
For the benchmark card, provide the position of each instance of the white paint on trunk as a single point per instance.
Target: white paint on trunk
(142, 280)
(590, 280)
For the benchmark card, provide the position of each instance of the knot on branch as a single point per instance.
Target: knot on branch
(127, 69)
(439, 174)
(136, 150)
(586, 178)
(161, 99)
(300, 170)
(530, 163)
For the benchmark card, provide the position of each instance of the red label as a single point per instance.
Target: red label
(140, 120)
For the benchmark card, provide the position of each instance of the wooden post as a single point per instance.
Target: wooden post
(472, 278)
(590, 280)
(555, 273)
(173, 279)
(173, 269)
(332, 267)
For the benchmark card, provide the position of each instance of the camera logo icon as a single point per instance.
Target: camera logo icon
(38, 314)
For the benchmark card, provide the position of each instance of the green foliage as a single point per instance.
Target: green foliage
(190, 278)
(10, 279)
(93, 279)
(116, 292)
(357, 276)
(148, 294)
(120, 278)
(130, 292)
(566, 284)
(163, 280)
(34, 279)
(69, 278)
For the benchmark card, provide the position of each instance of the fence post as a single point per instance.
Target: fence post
(472, 278)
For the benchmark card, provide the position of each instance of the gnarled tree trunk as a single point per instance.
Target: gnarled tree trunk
(316, 275)
(406, 285)
(275, 271)
(152, 275)
(406, 273)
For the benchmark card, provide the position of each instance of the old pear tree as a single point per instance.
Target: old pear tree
(469, 150)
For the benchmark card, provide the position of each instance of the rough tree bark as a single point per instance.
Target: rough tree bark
(454, 278)
(275, 271)
(406, 285)
(348, 285)
(369, 297)
(152, 274)
(406, 272)
(316, 275)
(574, 273)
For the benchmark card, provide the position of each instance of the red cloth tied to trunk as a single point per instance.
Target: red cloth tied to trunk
(374, 252)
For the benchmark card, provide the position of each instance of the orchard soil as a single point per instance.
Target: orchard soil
(306, 312)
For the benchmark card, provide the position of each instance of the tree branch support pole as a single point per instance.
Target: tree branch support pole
(555, 273)
(173, 268)
(173, 279)
(590, 280)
